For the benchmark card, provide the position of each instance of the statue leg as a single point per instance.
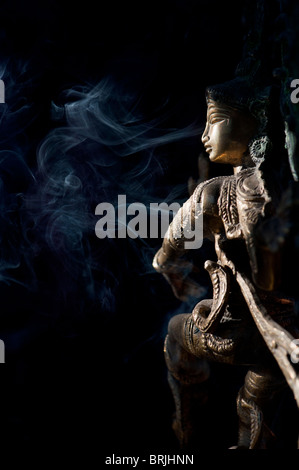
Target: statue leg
(187, 376)
(260, 388)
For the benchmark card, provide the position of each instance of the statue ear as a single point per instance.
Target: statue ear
(259, 147)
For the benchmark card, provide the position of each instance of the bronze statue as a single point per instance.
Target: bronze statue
(249, 321)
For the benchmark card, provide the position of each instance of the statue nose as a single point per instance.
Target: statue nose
(205, 137)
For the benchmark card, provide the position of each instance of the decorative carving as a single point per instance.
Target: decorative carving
(248, 321)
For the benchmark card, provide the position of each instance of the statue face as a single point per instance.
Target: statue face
(227, 134)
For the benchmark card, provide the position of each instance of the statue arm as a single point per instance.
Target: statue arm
(170, 259)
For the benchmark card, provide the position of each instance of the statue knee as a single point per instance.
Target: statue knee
(176, 327)
(181, 363)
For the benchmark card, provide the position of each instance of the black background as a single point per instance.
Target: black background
(86, 371)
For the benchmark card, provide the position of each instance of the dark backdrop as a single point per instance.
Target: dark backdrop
(84, 319)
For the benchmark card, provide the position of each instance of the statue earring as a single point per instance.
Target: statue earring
(259, 147)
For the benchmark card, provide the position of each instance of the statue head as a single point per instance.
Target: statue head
(237, 121)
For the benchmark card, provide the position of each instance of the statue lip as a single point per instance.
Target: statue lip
(208, 148)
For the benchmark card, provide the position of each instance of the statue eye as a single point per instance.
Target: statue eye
(214, 120)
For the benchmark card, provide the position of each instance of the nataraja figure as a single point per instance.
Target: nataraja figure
(247, 309)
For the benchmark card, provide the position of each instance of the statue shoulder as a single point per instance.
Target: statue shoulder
(207, 194)
(250, 185)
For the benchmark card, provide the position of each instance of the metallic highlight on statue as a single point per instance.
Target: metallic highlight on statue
(248, 321)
